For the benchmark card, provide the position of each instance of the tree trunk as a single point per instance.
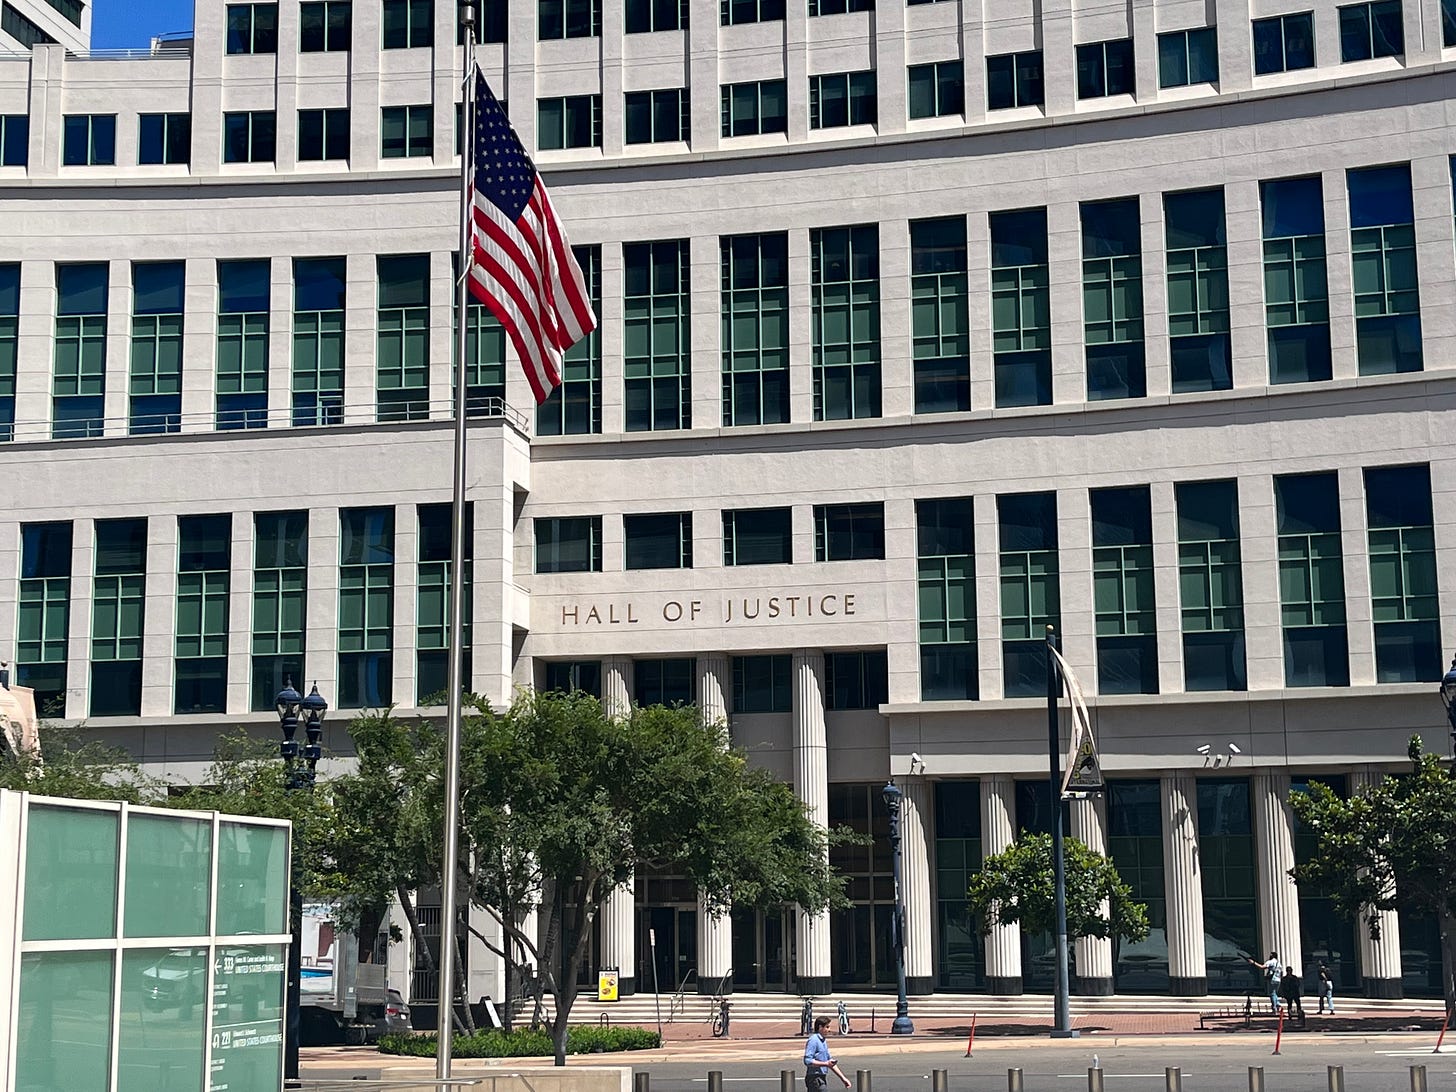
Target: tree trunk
(1448, 957)
(408, 906)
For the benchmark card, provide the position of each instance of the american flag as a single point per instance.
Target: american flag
(522, 267)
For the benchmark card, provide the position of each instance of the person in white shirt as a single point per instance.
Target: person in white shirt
(1273, 972)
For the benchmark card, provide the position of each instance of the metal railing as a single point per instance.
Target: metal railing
(679, 999)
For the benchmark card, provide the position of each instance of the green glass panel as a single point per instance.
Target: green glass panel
(252, 879)
(161, 1047)
(168, 874)
(63, 1028)
(247, 1017)
(70, 874)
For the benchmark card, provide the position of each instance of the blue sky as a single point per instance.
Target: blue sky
(132, 24)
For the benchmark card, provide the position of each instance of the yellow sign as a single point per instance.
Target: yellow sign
(607, 985)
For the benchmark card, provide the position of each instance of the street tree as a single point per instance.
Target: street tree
(71, 765)
(1389, 847)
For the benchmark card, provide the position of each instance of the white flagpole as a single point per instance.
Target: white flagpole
(455, 682)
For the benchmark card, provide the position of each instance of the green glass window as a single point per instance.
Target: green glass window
(70, 873)
(937, 90)
(252, 28)
(403, 318)
(318, 341)
(1311, 580)
(1198, 307)
(167, 994)
(646, 16)
(164, 138)
(249, 137)
(664, 682)
(1403, 601)
(573, 121)
(409, 24)
(407, 132)
(1105, 69)
(325, 26)
(845, 295)
(856, 680)
(1015, 79)
(43, 614)
(762, 684)
(118, 606)
(960, 955)
(485, 358)
(203, 569)
(323, 135)
(1112, 299)
(1135, 844)
(567, 676)
(168, 876)
(252, 880)
(556, 19)
(569, 545)
(1187, 57)
(946, 580)
(280, 601)
(758, 536)
(849, 532)
(243, 291)
(656, 117)
(837, 99)
(59, 1041)
(88, 140)
(9, 344)
(1296, 295)
(432, 616)
(760, 106)
(14, 140)
(1211, 586)
(1021, 325)
(657, 336)
(1122, 591)
(575, 407)
(1383, 268)
(1371, 30)
(1228, 874)
(79, 382)
(366, 607)
(755, 303)
(659, 540)
(733, 12)
(1030, 593)
(940, 315)
(156, 347)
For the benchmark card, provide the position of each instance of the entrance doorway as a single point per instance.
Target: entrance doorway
(762, 949)
(667, 948)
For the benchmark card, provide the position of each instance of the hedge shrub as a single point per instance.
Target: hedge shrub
(524, 1042)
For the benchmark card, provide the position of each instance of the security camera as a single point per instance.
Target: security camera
(915, 759)
(1234, 747)
(1203, 748)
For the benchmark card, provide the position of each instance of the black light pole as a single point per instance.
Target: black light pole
(1062, 1023)
(301, 775)
(902, 1025)
(1448, 699)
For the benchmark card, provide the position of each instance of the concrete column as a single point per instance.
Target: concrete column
(618, 913)
(998, 831)
(715, 930)
(1187, 957)
(1274, 848)
(1094, 954)
(811, 782)
(915, 885)
(616, 686)
(713, 684)
(1379, 959)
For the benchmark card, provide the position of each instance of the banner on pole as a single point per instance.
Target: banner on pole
(1083, 772)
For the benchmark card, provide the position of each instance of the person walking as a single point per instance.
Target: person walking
(1326, 990)
(1273, 972)
(818, 1063)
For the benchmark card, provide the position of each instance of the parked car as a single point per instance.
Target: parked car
(396, 1016)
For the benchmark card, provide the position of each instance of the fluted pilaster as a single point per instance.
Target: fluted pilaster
(811, 782)
(713, 683)
(715, 931)
(915, 885)
(1183, 886)
(1094, 954)
(619, 912)
(617, 686)
(998, 831)
(1274, 848)
(1380, 970)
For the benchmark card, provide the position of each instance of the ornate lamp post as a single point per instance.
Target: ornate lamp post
(301, 764)
(894, 798)
(1448, 699)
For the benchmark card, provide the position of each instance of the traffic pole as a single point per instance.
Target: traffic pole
(1279, 1031)
(972, 1041)
(1442, 1037)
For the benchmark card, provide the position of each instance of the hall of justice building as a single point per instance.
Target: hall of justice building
(923, 326)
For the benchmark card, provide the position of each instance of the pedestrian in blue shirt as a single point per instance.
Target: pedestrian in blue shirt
(817, 1062)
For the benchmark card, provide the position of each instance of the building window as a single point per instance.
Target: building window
(1383, 261)
(571, 676)
(1122, 591)
(1198, 307)
(568, 19)
(1371, 30)
(658, 117)
(1296, 295)
(156, 347)
(842, 98)
(575, 407)
(89, 140)
(845, 293)
(755, 287)
(838, 7)
(118, 608)
(9, 346)
(1210, 586)
(318, 341)
(1112, 299)
(734, 12)
(762, 684)
(960, 949)
(937, 90)
(432, 616)
(569, 544)
(366, 607)
(657, 336)
(14, 140)
(849, 532)
(323, 134)
(646, 16)
(249, 137)
(1186, 57)
(79, 385)
(1284, 43)
(403, 376)
(1228, 876)
(252, 28)
(43, 614)
(749, 109)
(1030, 595)
(1448, 23)
(1105, 68)
(280, 604)
(20, 28)
(164, 138)
(1311, 580)
(406, 132)
(325, 26)
(485, 360)
(940, 315)
(664, 682)
(659, 541)
(574, 121)
(409, 24)
(1014, 79)
(946, 580)
(1021, 324)
(242, 344)
(1403, 602)
(204, 559)
(758, 536)
(856, 680)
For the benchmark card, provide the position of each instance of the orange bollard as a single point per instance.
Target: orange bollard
(1279, 1031)
(1439, 1039)
(972, 1041)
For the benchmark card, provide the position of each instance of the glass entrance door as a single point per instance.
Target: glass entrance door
(762, 952)
(667, 948)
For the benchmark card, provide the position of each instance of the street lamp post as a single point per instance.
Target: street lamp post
(1061, 1004)
(1448, 699)
(894, 798)
(301, 764)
